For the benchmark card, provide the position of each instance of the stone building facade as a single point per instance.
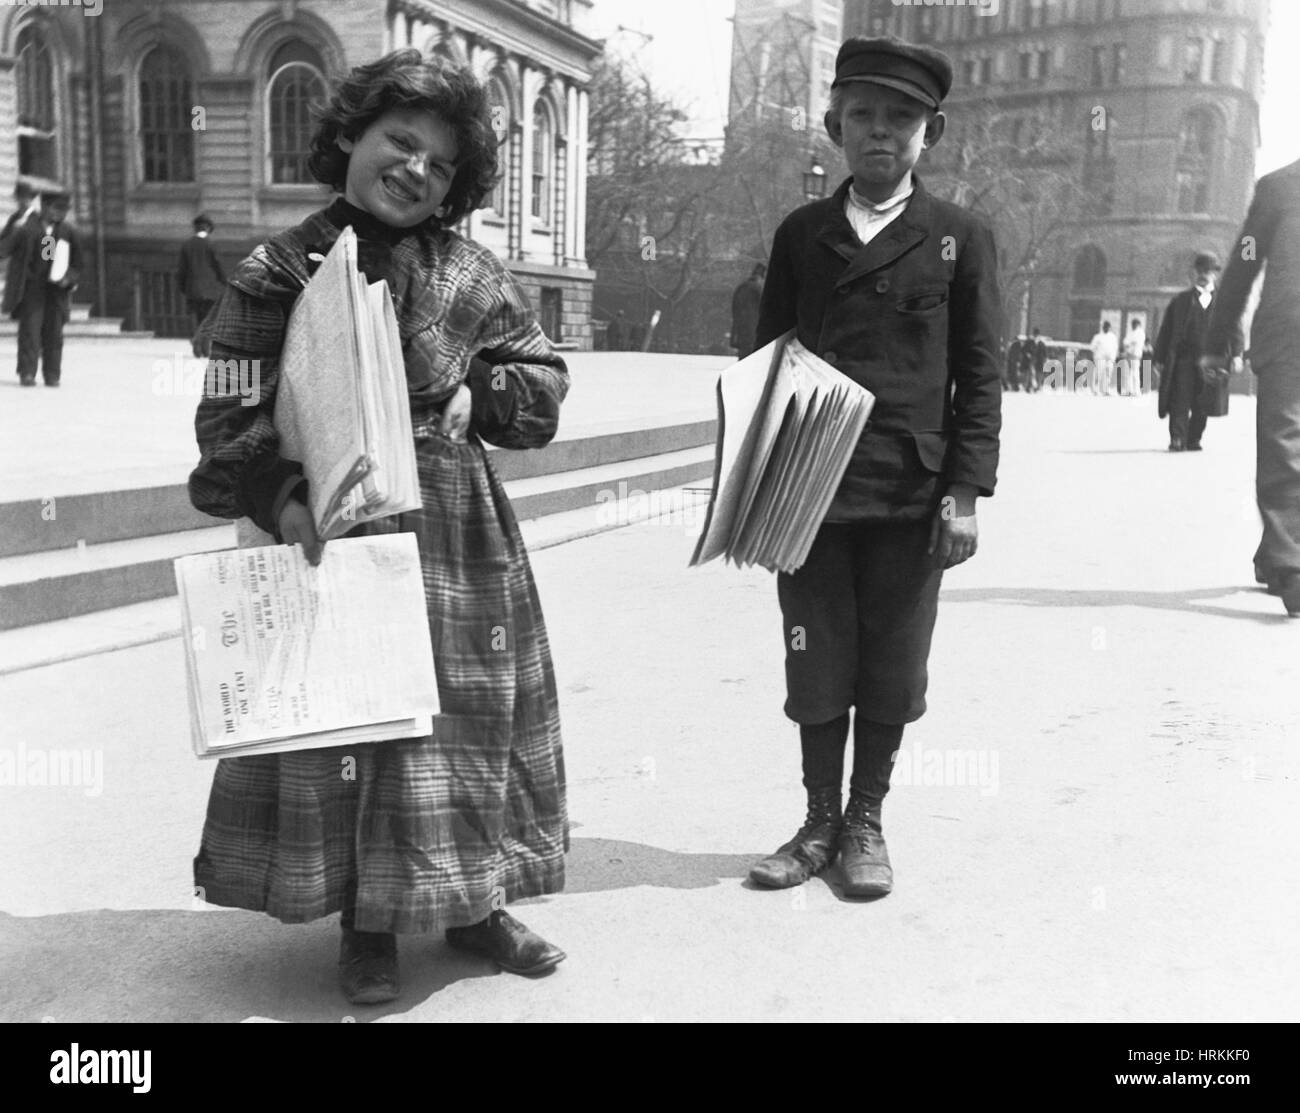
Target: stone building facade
(151, 112)
(1178, 83)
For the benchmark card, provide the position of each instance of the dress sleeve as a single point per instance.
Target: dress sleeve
(517, 380)
(240, 472)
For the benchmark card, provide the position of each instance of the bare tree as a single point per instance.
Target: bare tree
(1015, 167)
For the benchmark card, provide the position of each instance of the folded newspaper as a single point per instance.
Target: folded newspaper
(281, 656)
(341, 405)
(788, 423)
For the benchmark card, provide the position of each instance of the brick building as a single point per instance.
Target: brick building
(1173, 170)
(153, 111)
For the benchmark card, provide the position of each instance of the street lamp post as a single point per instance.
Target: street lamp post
(814, 181)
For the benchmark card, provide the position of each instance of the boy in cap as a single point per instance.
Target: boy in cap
(898, 290)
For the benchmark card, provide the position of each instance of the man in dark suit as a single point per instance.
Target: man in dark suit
(200, 277)
(1011, 365)
(744, 312)
(1038, 357)
(27, 213)
(27, 209)
(898, 291)
(1188, 396)
(1272, 233)
(45, 267)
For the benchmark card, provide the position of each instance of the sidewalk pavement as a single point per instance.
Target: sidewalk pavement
(1094, 821)
(123, 415)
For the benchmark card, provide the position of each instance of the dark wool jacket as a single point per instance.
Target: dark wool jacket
(914, 316)
(198, 272)
(22, 241)
(1179, 345)
(1271, 234)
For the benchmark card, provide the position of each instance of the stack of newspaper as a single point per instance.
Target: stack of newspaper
(788, 423)
(282, 656)
(341, 405)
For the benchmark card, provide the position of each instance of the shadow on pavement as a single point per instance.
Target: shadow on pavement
(1188, 601)
(598, 865)
(223, 966)
(162, 965)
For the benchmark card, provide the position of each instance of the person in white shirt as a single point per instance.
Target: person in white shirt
(1105, 350)
(1135, 343)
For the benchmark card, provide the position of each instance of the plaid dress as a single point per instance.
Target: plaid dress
(424, 833)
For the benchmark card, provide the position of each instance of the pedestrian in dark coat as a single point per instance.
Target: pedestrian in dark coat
(45, 252)
(436, 832)
(1271, 233)
(744, 312)
(1038, 358)
(897, 290)
(616, 333)
(199, 277)
(1011, 365)
(1188, 395)
(27, 211)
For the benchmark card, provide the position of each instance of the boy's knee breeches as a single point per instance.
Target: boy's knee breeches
(858, 618)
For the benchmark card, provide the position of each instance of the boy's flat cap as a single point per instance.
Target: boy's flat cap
(919, 71)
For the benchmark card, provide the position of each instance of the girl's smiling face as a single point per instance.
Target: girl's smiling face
(401, 167)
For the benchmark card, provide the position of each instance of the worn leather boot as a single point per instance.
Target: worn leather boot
(811, 850)
(863, 854)
(509, 943)
(368, 967)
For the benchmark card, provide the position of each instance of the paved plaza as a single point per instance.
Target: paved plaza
(1094, 821)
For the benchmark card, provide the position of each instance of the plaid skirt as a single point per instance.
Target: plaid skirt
(428, 833)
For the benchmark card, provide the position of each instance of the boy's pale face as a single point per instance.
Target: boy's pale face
(882, 133)
(401, 166)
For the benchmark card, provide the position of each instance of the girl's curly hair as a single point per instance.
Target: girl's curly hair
(408, 79)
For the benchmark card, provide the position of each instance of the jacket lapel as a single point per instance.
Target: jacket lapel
(895, 240)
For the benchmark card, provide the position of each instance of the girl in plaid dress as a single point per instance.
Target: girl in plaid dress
(424, 833)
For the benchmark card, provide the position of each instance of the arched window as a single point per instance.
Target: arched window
(499, 103)
(1089, 268)
(166, 99)
(34, 79)
(543, 161)
(1199, 143)
(295, 84)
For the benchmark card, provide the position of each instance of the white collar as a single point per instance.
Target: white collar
(905, 190)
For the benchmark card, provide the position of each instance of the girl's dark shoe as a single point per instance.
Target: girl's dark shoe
(509, 943)
(811, 850)
(368, 967)
(863, 854)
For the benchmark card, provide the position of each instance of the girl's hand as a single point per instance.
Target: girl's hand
(297, 528)
(455, 415)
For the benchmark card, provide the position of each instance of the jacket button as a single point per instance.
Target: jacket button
(882, 286)
(830, 357)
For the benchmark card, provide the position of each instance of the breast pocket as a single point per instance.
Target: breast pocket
(923, 302)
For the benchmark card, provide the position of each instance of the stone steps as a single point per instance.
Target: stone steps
(66, 556)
